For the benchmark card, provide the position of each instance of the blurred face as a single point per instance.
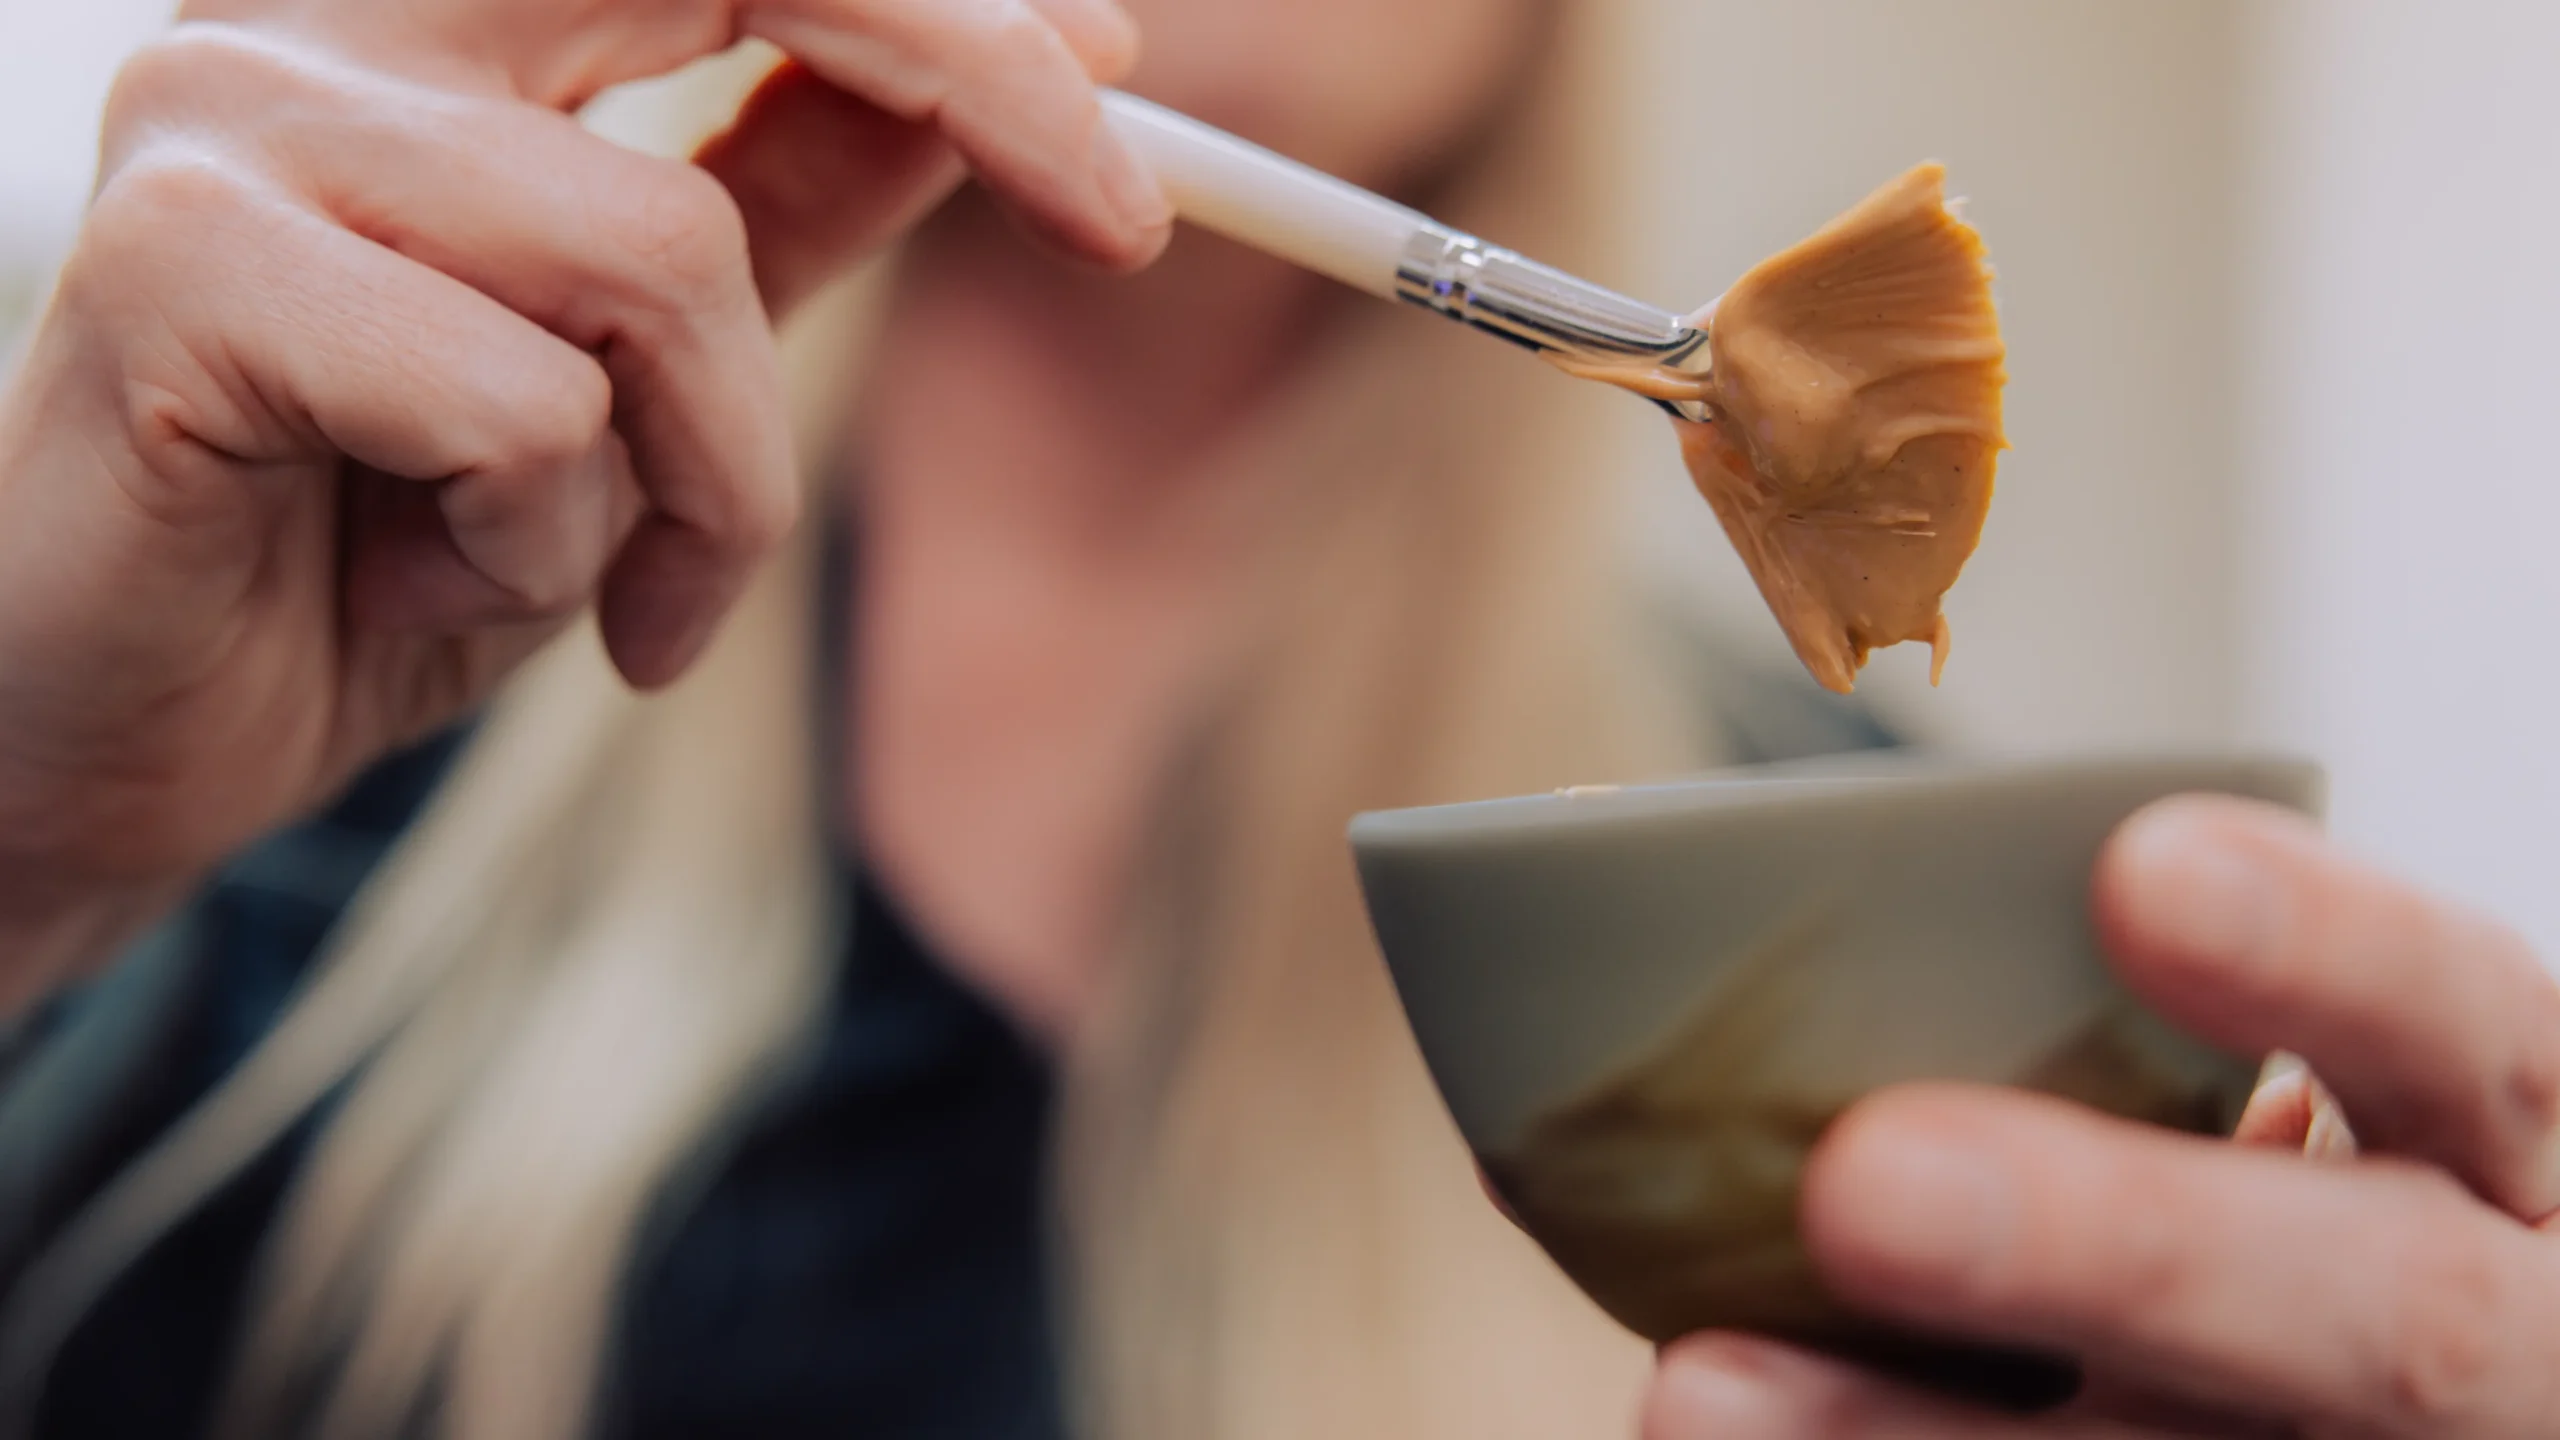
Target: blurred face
(1373, 90)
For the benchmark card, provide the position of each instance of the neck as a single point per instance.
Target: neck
(1045, 578)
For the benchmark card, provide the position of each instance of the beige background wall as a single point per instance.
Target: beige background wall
(2403, 381)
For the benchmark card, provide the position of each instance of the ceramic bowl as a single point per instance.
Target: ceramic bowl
(1644, 1004)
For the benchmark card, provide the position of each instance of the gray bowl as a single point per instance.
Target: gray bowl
(1643, 1005)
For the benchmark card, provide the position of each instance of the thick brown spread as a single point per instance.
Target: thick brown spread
(1855, 384)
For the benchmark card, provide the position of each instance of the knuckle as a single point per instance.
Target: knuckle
(168, 194)
(2445, 1344)
(2533, 1085)
(686, 232)
(2445, 1353)
(150, 81)
(190, 64)
(563, 413)
(160, 222)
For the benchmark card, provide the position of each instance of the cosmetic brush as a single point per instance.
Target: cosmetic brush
(1839, 408)
(1368, 242)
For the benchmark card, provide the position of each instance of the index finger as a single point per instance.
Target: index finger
(1009, 82)
(1013, 89)
(2437, 1029)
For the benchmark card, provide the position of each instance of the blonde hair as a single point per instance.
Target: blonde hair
(587, 960)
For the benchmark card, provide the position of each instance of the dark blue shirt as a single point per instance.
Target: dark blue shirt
(866, 1259)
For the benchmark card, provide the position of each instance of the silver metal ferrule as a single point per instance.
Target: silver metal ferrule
(1545, 309)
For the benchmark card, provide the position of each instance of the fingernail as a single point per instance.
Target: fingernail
(1711, 1394)
(2201, 892)
(2283, 1066)
(2328, 1136)
(1129, 186)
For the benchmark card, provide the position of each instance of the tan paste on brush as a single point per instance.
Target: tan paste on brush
(1855, 384)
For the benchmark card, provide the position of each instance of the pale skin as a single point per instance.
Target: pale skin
(352, 273)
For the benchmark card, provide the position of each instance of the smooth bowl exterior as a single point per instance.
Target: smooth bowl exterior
(1643, 1005)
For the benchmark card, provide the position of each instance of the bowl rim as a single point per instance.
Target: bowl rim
(1795, 784)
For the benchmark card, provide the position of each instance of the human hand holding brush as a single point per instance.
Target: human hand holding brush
(371, 368)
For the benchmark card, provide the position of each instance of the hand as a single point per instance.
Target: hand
(371, 367)
(2216, 1289)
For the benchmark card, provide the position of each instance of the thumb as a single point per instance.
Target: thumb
(823, 178)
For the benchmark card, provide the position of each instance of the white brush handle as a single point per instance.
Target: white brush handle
(1268, 201)
(1371, 243)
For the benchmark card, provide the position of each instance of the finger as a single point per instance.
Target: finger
(562, 55)
(2278, 1116)
(333, 346)
(2328, 1137)
(416, 555)
(2292, 1110)
(822, 177)
(1723, 1387)
(640, 261)
(554, 55)
(1004, 83)
(2439, 1031)
(2379, 1296)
